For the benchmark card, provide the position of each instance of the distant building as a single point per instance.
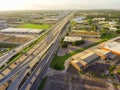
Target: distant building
(85, 34)
(50, 20)
(113, 29)
(79, 19)
(72, 39)
(3, 24)
(99, 19)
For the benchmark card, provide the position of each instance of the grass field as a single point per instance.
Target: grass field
(42, 84)
(34, 26)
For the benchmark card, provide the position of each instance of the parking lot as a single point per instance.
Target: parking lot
(71, 48)
(70, 82)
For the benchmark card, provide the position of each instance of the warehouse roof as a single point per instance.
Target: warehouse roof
(21, 30)
(113, 46)
(81, 61)
(72, 39)
(79, 64)
(90, 57)
(101, 51)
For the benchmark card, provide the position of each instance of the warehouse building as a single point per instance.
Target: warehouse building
(105, 54)
(21, 31)
(85, 61)
(77, 65)
(114, 47)
(90, 58)
(3, 24)
(99, 19)
(70, 39)
(85, 34)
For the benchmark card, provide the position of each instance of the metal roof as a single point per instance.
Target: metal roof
(79, 64)
(72, 39)
(88, 58)
(101, 51)
(21, 30)
(113, 46)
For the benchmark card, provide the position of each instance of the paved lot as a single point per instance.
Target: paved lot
(71, 48)
(74, 82)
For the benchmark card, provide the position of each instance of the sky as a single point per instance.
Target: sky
(58, 4)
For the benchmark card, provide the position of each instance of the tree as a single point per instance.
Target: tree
(90, 21)
(73, 23)
(118, 31)
(61, 41)
(57, 66)
(94, 27)
(104, 31)
(64, 45)
(76, 43)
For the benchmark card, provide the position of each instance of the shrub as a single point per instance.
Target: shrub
(76, 43)
(64, 45)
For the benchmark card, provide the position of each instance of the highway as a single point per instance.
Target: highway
(39, 48)
(31, 57)
(12, 53)
(23, 57)
(41, 68)
(5, 58)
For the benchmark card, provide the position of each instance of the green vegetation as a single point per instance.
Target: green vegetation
(14, 58)
(106, 37)
(76, 43)
(111, 69)
(116, 85)
(118, 72)
(6, 50)
(118, 31)
(6, 45)
(64, 45)
(42, 84)
(103, 75)
(73, 23)
(35, 26)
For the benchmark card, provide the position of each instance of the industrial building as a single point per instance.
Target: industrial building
(79, 19)
(105, 54)
(114, 47)
(70, 39)
(21, 31)
(3, 24)
(99, 19)
(85, 61)
(85, 34)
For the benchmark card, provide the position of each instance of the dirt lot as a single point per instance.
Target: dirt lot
(4, 37)
(13, 39)
(18, 39)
